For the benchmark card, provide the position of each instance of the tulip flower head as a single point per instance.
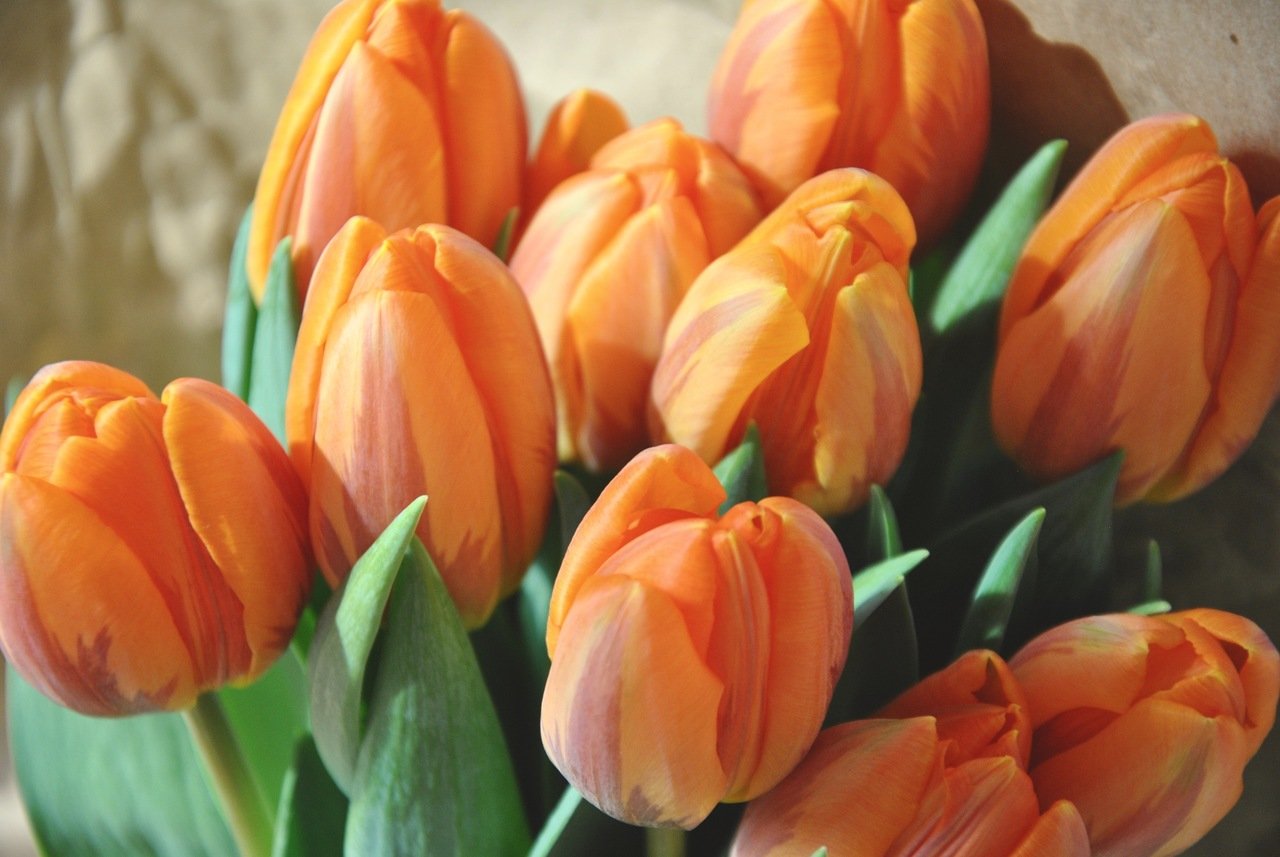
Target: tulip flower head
(401, 111)
(1146, 723)
(806, 329)
(418, 371)
(693, 658)
(896, 87)
(150, 548)
(1141, 317)
(579, 125)
(604, 263)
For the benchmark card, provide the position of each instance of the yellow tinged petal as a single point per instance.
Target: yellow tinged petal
(577, 127)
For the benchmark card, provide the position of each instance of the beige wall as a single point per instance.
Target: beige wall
(131, 132)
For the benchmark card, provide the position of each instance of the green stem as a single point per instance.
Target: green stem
(664, 842)
(245, 808)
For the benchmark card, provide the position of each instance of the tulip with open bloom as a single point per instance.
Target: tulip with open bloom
(1143, 316)
(1146, 723)
(945, 775)
(418, 371)
(806, 329)
(604, 262)
(578, 126)
(896, 87)
(693, 657)
(150, 548)
(401, 111)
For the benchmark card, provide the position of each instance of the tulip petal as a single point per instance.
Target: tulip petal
(119, 650)
(484, 137)
(379, 141)
(1098, 367)
(661, 484)
(629, 712)
(220, 453)
(577, 127)
(331, 285)
(1060, 832)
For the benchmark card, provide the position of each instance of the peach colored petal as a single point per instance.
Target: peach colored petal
(577, 127)
(1060, 832)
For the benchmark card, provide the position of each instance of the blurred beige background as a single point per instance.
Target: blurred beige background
(131, 132)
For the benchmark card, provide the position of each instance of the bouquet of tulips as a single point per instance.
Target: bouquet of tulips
(652, 493)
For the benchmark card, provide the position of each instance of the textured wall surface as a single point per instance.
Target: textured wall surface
(131, 132)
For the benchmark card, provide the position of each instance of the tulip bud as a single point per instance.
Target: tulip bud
(1137, 318)
(604, 262)
(900, 787)
(807, 330)
(150, 548)
(578, 126)
(897, 87)
(401, 111)
(1146, 723)
(418, 371)
(693, 659)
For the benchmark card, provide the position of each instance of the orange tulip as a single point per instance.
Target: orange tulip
(1146, 723)
(604, 262)
(1140, 317)
(402, 112)
(150, 548)
(902, 788)
(418, 371)
(806, 329)
(578, 126)
(693, 659)
(896, 87)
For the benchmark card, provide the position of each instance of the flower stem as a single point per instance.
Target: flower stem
(664, 842)
(245, 808)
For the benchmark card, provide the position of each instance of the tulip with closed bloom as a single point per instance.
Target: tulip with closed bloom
(401, 111)
(692, 657)
(418, 371)
(151, 548)
(896, 87)
(1146, 723)
(578, 126)
(1142, 317)
(806, 329)
(604, 263)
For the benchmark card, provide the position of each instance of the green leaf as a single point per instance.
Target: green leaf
(274, 337)
(11, 392)
(502, 244)
(883, 539)
(1153, 574)
(741, 472)
(556, 823)
(821, 852)
(96, 787)
(343, 640)
(991, 606)
(883, 660)
(1073, 561)
(240, 317)
(313, 810)
(433, 775)
(872, 585)
(1151, 608)
(268, 717)
(981, 272)
(572, 503)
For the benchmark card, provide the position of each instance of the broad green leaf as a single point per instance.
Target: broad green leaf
(313, 810)
(872, 585)
(991, 606)
(343, 640)
(240, 317)
(741, 471)
(883, 660)
(433, 775)
(274, 337)
(981, 272)
(11, 392)
(556, 823)
(98, 787)
(502, 244)
(268, 717)
(1073, 561)
(883, 539)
